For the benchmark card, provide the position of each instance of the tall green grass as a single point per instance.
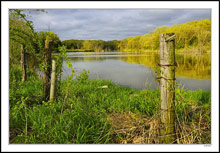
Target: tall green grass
(81, 115)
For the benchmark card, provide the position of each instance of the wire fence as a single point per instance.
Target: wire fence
(149, 130)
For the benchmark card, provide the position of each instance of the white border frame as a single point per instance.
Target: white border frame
(111, 5)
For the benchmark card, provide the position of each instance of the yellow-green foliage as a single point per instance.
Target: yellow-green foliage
(55, 41)
(91, 45)
(19, 34)
(194, 35)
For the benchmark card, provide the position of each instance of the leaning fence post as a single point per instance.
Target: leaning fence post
(23, 64)
(52, 82)
(47, 71)
(167, 87)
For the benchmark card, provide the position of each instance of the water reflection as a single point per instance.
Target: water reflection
(191, 66)
(136, 69)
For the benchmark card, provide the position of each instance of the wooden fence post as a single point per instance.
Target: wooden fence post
(47, 71)
(53, 78)
(23, 64)
(167, 87)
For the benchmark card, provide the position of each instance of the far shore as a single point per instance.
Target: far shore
(190, 51)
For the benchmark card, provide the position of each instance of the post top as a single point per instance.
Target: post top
(167, 34)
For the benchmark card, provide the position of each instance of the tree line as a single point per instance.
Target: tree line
(91, 45)
(190, 36)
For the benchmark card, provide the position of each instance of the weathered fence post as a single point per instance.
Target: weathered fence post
(47, 70)
(167, 87)
(23, 64)
(53, 78)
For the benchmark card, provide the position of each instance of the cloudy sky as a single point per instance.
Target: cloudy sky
(111, 24)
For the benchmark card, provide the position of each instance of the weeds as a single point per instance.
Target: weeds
(92, 114)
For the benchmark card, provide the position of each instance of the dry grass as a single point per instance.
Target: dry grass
(130, 128)
(196, 132)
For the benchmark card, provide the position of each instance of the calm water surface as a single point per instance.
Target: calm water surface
(135, 70)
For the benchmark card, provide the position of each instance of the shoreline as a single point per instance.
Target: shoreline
(144, 51)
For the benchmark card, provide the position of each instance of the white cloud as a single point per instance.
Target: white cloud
(111, 24)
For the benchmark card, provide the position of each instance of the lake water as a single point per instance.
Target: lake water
(135, 70)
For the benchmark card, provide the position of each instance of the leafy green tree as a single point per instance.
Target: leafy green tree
(21, 39)
(53, 37)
